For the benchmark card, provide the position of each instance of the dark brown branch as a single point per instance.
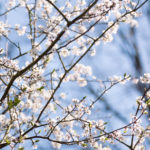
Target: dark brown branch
(59, 11)
(20, 73)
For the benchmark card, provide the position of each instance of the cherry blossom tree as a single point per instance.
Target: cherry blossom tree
(44, 74)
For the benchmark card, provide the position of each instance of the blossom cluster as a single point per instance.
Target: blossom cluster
(37, 83)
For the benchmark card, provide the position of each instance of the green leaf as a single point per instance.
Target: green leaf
(101, 132)
(37, 141)
(21, 148)
(125, 131)
(125, 74)
(148, 102)
(16, 101)
(40, 89)
(84, 145)
(105, 123)
(39, 132)
(84, 97)
(10, 104)
(7, 141)
(32, 123)
(20, 139)
(138, 102)
(90, 125)
(24, 89)
(53, 71)
(145, 112)
(47, 60)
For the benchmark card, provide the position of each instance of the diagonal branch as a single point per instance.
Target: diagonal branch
(58, 11)
(19, 73)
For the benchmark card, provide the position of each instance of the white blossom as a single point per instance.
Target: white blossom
(22, 31)
(64, 53)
